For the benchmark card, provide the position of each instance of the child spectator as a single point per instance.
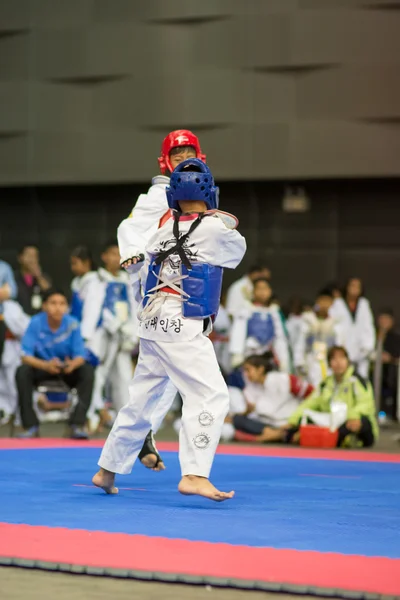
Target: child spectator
(220, 337)
(258, 328)
(82, 266)
(8, 290)
(294, 321)
(108, 326)
(271, 398)
(317, 334)
(16, 322)
(354, 313)
(241, 291)
(343, 392)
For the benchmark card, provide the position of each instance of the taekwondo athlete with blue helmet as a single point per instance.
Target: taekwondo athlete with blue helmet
(182, 278)
(133, 235)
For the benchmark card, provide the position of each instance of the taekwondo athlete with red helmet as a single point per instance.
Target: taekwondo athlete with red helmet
(133, 235)
(182, 278)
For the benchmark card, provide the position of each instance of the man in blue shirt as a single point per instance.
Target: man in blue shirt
(53, 348)
(8, 290)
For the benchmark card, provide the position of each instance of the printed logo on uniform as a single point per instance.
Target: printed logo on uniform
(202, 441)
(206, 419)
(174, 260)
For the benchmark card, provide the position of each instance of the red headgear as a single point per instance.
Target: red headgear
(180, 137)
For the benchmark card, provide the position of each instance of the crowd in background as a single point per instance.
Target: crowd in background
(282, 364)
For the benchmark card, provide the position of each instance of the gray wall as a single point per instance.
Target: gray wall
(275, 88)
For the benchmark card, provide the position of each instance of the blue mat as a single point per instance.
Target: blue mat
(304, 504)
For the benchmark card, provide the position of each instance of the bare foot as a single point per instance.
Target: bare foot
(296, 438)
(270, 435)
(105, 480)
(191, 485)
(150, 462)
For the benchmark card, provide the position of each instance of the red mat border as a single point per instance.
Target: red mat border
(137, 552)
(239, 450)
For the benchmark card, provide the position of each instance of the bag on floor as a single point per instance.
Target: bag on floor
(324, 430)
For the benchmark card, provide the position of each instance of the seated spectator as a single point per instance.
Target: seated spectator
(82, 266)
(16, 323)
(389, 349)
(258, 327)
(8, 290)
(317, 334)
(31, 282)
(271, 398)
(53, 348)
(241, 291)
(346, 393)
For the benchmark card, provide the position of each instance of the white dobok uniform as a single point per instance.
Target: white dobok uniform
(257, 329)
(133, 236)
(294, 324)
(16, 322)
(315, 338)
(176, 348)
(109, 330)
(239, 295)
(359, 332)
(79, 286)
(220, 339)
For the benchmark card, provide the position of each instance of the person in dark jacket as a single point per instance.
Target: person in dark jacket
(31, 281)
(389, 342)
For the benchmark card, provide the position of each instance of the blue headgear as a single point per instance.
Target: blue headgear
(192, 180)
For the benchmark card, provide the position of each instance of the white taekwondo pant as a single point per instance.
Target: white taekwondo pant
(117, 369)
(10, 362)
(193, 369)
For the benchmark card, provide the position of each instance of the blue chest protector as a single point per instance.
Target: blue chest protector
(261, 327)
(115, 292)
(203, 284)
(76, 306)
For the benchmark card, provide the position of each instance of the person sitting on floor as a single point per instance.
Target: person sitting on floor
(345, 396)
(53, 348)
(271, 398)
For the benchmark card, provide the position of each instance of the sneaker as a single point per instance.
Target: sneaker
(28, 434)
(78, 433)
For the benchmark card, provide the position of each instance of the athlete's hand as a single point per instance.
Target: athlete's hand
(132, 261)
